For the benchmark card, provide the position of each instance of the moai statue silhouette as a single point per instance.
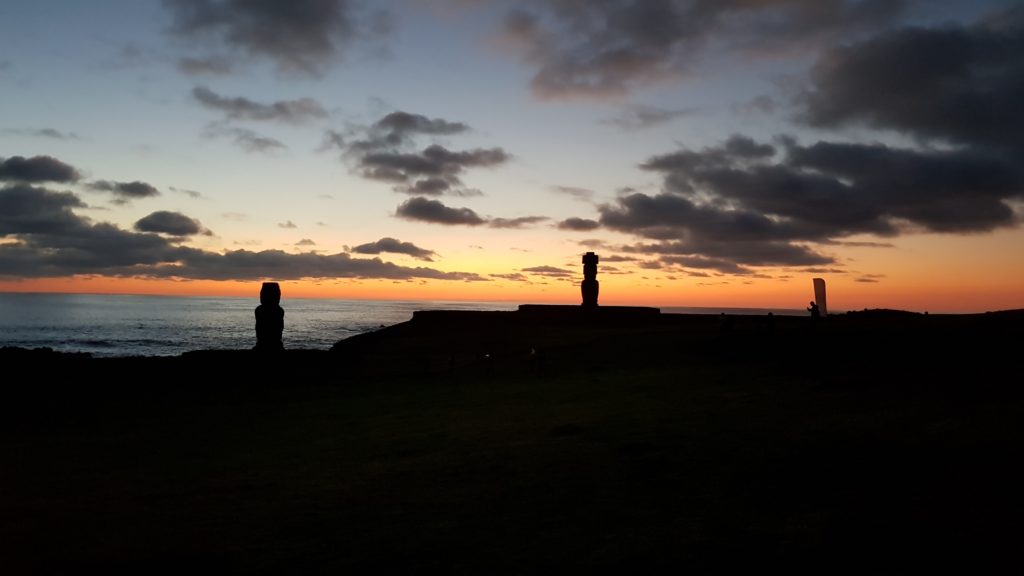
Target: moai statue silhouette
(269, 318)
(590, 284)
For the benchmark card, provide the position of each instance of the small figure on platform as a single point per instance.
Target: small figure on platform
(269, 319)
(813, 309)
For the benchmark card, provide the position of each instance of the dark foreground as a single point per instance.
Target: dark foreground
(492, 443)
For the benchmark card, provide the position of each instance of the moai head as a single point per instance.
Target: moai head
(270, 294)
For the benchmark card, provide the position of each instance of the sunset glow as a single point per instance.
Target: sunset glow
(474, 151)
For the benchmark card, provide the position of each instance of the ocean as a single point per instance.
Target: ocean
(117, 325)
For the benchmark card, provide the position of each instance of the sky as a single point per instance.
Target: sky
(712, 153)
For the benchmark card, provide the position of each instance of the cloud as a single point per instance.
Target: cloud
(436, 212)
(37, 169)
(299, 36)
(52, 133)
(578, 224)
(50, 240)
(583, 194)
(396, 127)
(287, 224)
(703, 263)
(171, 224)
(125, 192)
(858, 244)
(393, 246)
(195, 195)
(26, 209)
(240, 108)
(606, 49)
(305, 242)
(513, 277)
(432, 171)
(549, 271)
(386, 151)
(521, 222)
(248, 140)
(961, 84)
(209, 65)
(756, 204)
(758, 105)
(433, 211)
(639, 117)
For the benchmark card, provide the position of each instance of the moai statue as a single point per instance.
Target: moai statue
(269, 319)
(590, 284)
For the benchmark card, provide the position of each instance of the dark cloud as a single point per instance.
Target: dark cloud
(26, 209)
(639, 116)
(171, 224)
(50, 240)
(520, 222)
(125, 192)
(549, 271)
(433, 171)
(393, 246)
(287, 224)
(394, 128)
(754, 204)
(579, 224)
(386, 151)
(302, 36)
(305, 242)
(703, 263)
(858, 244)
(601, 49)
(239, 108)
(433, 211)
(209, 65)
(961, 84)
(37, 169)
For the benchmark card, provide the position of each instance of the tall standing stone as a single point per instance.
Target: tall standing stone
(590, 286)
(269, 319)
(819, 296)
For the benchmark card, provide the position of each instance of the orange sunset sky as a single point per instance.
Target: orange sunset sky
(475, 150)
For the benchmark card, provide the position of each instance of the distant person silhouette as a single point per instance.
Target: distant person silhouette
(815, 313)
(269, 319)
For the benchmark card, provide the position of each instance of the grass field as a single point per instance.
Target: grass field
(878, 444)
